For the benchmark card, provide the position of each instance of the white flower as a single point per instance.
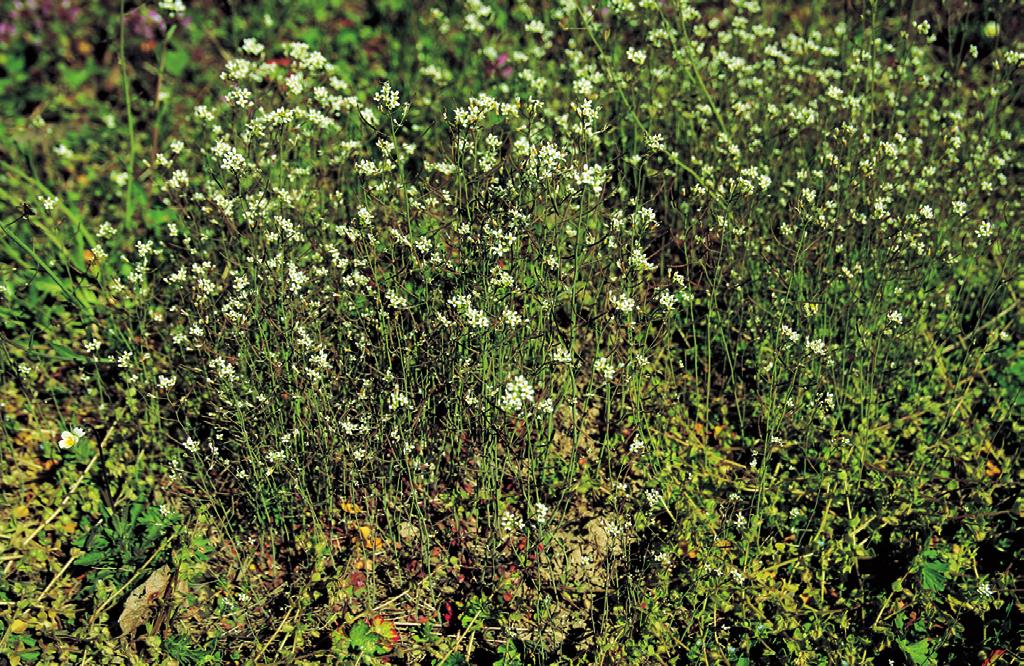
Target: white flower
(396, 300)
(512, 318)
(231, 160)
(518, 394)
(624, 303)
(667, 299)
(656, 142)
(638, 259)
(636, 56)
(817, 347)
(512, 522)
(386, 98)
(593, 176)
(172, 7)
(70, 438)
(106, 230)
(399, 400)
(178, 180)
(605, 367)
(476, 318)
(252, 47)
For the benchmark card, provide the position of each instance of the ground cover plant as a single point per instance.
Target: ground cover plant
(511, 333)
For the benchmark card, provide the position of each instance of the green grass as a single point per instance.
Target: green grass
(647, 333)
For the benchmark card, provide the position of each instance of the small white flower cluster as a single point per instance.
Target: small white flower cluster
(592, 177)
(512, 523)
(191, 445)
(231, 160)
(399, 400)
(817, 347)
(541, 513)
(474, 317)
(173, 8)
(386, 98)
(624, 303)
(519, 394)
(253, 47)
(605, 367)
(636, 56)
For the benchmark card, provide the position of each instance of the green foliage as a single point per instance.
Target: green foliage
(123, 539)
(921, 653)
(933, 571)
(363, 641)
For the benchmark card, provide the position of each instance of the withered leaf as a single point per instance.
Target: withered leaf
(139, 604)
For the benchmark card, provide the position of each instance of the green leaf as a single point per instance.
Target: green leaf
(509, 656)
(48, 286)
(91, 558)
(933, 571)
(361, 638)
(175, 62)
(75, 78)
(68, 354)
(13, 65)
(454, 660)
(920, 653)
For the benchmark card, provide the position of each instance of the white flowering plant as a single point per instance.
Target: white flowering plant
(635, 332)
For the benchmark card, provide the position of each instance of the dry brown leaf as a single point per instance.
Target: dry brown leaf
(139, 604)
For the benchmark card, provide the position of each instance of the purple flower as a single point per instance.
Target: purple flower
(145, 23)
(36, 16)
(499, 66)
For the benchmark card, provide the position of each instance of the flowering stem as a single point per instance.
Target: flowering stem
(131, 123)
(159, 84)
